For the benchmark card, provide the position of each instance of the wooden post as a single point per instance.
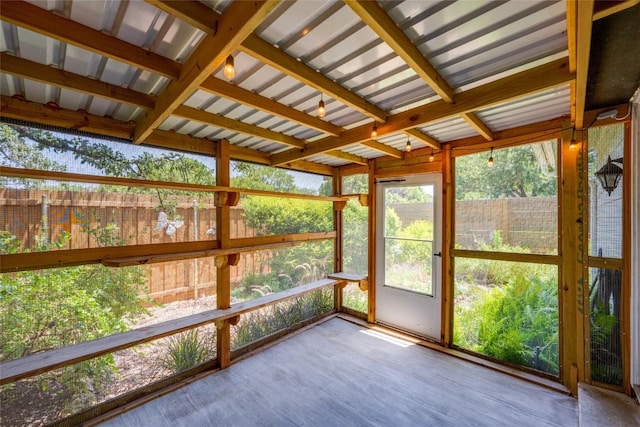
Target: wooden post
(371, 315)
(337, 227)
(448, 218)
(572, 284)
(223, 269)
(625, 312)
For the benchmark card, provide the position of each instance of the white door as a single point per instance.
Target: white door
(408, 254)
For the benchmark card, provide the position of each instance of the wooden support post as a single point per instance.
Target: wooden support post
(572, 283)
(448, 218)
(371, 314)
(223, 269)
(338, 206)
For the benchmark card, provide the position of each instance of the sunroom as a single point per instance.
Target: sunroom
(319, 212)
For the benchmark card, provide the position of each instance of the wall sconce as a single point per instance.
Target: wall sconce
(610, 174)
(431, 157)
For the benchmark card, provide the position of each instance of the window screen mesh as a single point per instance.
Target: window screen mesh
(605, 303)
(512, 206)
(606, 146)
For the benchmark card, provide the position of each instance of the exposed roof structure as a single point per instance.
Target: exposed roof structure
(431, 72)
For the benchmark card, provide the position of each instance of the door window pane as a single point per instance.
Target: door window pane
(408, 238)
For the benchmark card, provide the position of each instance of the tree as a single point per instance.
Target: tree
(516, 173)
(260, 177)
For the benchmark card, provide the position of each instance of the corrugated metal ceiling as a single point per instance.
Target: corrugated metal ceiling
(469, 43)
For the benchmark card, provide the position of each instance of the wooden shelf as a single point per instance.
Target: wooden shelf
(152, 259)
(362, 281)
(49, 360)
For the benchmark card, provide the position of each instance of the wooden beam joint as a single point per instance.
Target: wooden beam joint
(226, 198)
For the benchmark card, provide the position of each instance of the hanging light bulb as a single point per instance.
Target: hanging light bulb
(321, 110)
(431, 156)
(408, 149)
(490, 161)
(229, 69)
(573, 144)
(374, 131)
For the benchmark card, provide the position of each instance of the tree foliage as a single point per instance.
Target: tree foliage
(516, 173)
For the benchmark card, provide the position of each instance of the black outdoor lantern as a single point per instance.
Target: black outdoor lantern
(609, 175)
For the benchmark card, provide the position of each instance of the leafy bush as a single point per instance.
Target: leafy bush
(58, 307)
(516, 321)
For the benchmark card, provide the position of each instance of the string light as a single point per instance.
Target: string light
(374, 131)
(321, 110)
(573, 144)
(229, 69)
(490, 161)
(431, 156)
(408, 149)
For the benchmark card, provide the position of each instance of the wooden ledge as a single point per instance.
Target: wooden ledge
(178, 256)
(39, 363)
(362, 281)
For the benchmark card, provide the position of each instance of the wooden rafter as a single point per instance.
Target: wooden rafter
(217, 120)
(200, 17)
(49, 24)
(383, 148)
(527, 82)
(246, 97)
(583, 49)
(602, 9)
(475, 122)
(237, 22)
(56, 77)
(382, 24)
(431, 142)
(572, 38)
(19, 109)
(377, 19)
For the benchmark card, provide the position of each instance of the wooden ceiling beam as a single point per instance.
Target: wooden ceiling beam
(280, 60)
(49, 24)
(383, 148)
(381, 23)
(252, 99)
(602, 9)
(533, 132)
(48, 75)
(347, 156)
(431, 142)
(238, 21)
(52, 115)
(521, 84)
(217, 120)
(583, 50)
(475, 122)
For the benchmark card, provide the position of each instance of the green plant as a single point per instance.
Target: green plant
(516, 321)
(59, 307)
(261, 323)
(185, 351)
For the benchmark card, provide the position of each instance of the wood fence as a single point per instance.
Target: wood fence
(94, 219)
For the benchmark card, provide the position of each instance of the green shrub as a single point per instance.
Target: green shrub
(186, 350)
(516, 322)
